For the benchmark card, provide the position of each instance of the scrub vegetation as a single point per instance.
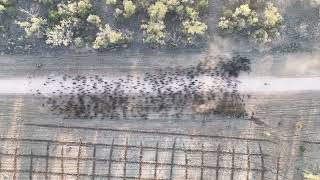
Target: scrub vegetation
(260, 24)
(310, 176)
(109, 24)
(76, 24)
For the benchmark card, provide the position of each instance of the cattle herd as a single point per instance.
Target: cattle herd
(208, 88)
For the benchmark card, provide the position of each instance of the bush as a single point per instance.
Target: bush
(6, 3)
(69, 22)
(262, 26)
(144, 3)
(44, 1)
(118, 12)
(66, 26)
(60, 35)
(193, 28)
(66, 20)
(94, 19)
(56, 16)
(129, 8)
(202, 5)
(157, 11)
(154, 33)
(107, 37)
(78, 42)
(261, 35)
(191, 13)
(111, 2)
(2, 8)
(171, 4)
(34, 26)
(7, 6)
(78, 8)
(310, 176)
(272, 17)
(186, 29)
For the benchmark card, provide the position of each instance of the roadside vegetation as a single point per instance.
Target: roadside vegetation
(73, 23)
(262, 24)
(108, 24)
(310, 176)
(7, 11)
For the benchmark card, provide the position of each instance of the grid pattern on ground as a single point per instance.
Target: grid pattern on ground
(56, 159)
